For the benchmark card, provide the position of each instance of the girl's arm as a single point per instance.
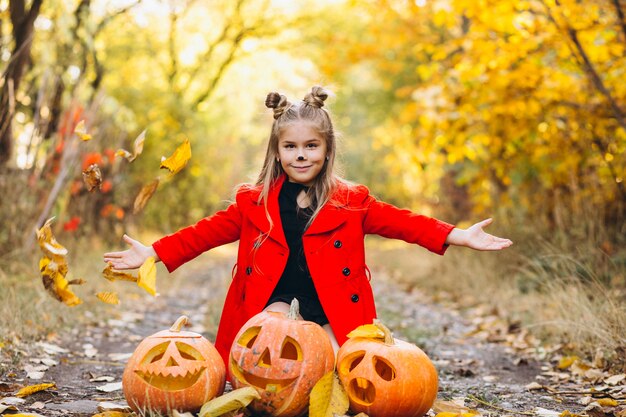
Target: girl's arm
(130, 258)
(476, 238)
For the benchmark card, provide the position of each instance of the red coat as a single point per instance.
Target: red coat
(333, 246)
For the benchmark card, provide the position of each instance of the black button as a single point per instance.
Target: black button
(354, 298)
(337, 244)
(249, 270)
(346, 271)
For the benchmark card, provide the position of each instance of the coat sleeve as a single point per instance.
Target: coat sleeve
(184, 245)
(392, 222)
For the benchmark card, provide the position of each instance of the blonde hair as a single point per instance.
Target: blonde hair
(309, 110)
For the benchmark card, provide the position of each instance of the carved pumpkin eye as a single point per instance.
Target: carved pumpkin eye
(248, 337)
(351, 362)
(384, 369)
(291, 350)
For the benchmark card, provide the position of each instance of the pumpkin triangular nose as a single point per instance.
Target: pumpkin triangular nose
(266, 359)
(172, 362)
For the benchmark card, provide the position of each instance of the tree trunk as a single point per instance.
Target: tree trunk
(23, 21)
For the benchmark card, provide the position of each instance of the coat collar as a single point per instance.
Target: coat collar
(330, 217)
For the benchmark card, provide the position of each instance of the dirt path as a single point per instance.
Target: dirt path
(92, 357)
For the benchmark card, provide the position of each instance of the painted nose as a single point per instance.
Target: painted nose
(301, 158)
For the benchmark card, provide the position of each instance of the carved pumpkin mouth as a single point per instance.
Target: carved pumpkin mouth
(362, 391)
(170, 382)
(268, 384)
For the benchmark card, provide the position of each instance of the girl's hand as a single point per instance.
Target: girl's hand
(476, 238)
(130, 258)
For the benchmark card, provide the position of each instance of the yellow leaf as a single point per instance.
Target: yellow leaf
(178, 159)
(115, 275)
(92, 177)
(81, 131)
(137, 148)
(567, 361)
(450, 414)
(607, 402)
(234, 400)
(114, 414)
(328, 397)
(147, 276)
(454, 407)
(368, 331)
(108, 297)
(144, 195)
(31, 389)
(47, 243)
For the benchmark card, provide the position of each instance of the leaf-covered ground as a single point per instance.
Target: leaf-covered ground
(484, 364)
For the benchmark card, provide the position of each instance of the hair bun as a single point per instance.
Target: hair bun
(278, 102)
(316, 97)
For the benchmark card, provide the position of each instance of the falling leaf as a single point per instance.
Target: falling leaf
(48, 244)
(234, 400)
(31, 389)
(144, 196)
(328, 397)
(178, 159)
(53, 267)
(108, 297)
(81, 131)
(147, 276)
(137, 148)
(368, 331)
(115, 275)
(92, 177)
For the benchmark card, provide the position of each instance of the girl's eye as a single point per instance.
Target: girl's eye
(312, 145)
(289, 146)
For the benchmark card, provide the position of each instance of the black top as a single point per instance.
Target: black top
(296, 281)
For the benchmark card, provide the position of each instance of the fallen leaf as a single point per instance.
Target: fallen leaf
(234, 400)
(533, 386)
(110, 407)
(144, 196)
(102, 378)
(92, 177)
(567, 361)
(368, 331)
(113, 386)
(178, 159)
(31, 389)
(328, 397)
(607, 402)
(176, 413)
(4, 407)
(147, 276)
(115, 275)
(137, 148)
(615, 379)
(114, 414)
(449, 414)
(81, 131)
(455, 406)
(542, 412)
(108, 297)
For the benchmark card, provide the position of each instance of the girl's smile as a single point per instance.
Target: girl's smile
(302, 152)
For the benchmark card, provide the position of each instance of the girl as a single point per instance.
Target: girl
(301, 231)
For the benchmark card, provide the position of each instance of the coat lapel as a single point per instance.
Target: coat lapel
(259, 218)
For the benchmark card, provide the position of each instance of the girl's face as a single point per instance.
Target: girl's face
(302, 152)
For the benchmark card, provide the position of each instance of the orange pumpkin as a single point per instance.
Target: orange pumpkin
(173, 370)
(386, 377)
(282, 357)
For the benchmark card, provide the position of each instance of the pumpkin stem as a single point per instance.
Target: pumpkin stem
(179, 324)
(294, 310)
(388, 335)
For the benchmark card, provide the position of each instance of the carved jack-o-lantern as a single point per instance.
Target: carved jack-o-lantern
(173, 370)
(386, 377)
(282, 358)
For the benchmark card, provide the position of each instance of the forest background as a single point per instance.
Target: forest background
(454, 108)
